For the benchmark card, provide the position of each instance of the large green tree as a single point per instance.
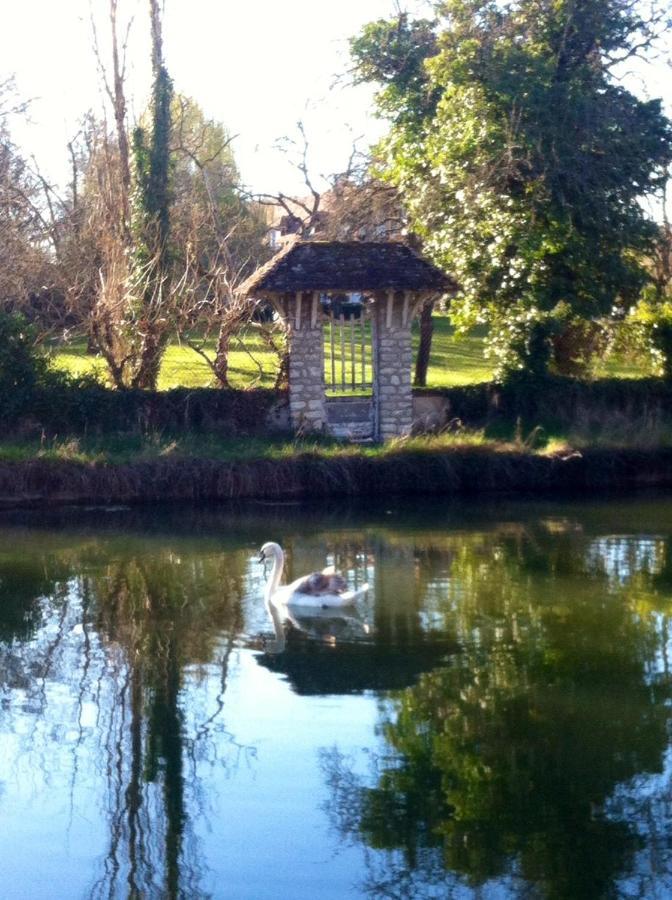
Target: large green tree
(521, 158)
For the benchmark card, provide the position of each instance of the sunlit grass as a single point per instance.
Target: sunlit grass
(455, 361)
(125, 449)
(251, 363)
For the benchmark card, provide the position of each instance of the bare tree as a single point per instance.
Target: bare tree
(27, 230)
(218, 234)
(116, 93)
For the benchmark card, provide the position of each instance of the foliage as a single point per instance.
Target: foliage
(24, 367)
(521, 159)
(218, 236)
(653, 317)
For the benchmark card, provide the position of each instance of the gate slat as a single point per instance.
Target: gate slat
(362, 333)
(333, 352)
(342, 328)
(352, 341)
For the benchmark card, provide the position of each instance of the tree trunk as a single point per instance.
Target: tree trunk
(153, 346)
(221, 364)
(282, 378)
(118, 97)
(425, 348)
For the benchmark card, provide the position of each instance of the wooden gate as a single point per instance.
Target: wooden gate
(348, 348)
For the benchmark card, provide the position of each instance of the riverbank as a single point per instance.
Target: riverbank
(313, 474)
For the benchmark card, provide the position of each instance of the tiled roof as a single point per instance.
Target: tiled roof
(347, 266)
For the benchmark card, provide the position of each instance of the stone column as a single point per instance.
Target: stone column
(394, 360)
(306, 363)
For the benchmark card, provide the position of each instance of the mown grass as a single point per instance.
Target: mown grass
(455, 361)
(251, 363)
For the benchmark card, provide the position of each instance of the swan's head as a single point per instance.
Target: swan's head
(270, 550)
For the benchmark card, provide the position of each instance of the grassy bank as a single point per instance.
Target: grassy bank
(309, 473)
(208, 467)
(116, 450)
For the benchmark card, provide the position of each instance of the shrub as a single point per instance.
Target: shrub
(24, 368)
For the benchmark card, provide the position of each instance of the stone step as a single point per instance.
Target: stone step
(352, 431)
(355, 410)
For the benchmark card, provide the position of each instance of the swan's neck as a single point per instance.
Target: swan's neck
(276, 574)
(271, 587)
(278, 645)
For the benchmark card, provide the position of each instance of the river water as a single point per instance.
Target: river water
(492, 721)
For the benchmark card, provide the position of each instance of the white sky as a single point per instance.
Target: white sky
(258, 66)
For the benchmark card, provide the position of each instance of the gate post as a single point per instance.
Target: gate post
(393, 354)
(306, 362)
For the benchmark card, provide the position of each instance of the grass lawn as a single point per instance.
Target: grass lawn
(250, 363)
(454, 361)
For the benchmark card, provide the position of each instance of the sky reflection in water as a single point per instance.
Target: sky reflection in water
(493, 722)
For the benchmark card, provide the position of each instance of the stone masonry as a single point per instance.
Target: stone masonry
(306, 374)
(390, 272)
(394, 396)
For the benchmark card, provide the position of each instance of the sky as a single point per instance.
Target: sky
(258, 66)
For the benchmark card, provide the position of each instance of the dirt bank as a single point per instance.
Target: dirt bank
(471, 470)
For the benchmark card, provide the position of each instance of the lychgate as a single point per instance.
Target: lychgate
(349, 308)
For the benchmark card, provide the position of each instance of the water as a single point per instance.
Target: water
(492, 722)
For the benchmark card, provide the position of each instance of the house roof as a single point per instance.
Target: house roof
(346, 266)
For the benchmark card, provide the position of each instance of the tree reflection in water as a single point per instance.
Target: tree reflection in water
(120, 638)
(516, 761)
(520, 672)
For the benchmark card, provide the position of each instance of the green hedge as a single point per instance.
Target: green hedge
(558, 403)
(68, 408)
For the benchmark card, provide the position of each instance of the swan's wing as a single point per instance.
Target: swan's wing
(313, 585)
(335, 581)
(337, 584)
(347, 597)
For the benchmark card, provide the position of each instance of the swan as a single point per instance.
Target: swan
(330, 625)
(320, 590)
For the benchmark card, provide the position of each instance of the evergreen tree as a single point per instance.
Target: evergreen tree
(522, 160)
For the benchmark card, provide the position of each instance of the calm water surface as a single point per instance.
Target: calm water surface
(494, 721)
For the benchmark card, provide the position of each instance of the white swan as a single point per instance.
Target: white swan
(320, 590)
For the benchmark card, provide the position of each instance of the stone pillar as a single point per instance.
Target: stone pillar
(394, 360)
(306, 363)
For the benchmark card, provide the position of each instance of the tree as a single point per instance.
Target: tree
(26, 232)
(218, 236)
(648, 327)
(521, 158)
(150, 215)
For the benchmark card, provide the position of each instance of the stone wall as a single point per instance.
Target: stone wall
(393, 398)
(395, 360)
(431, 412)
(306, 375)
